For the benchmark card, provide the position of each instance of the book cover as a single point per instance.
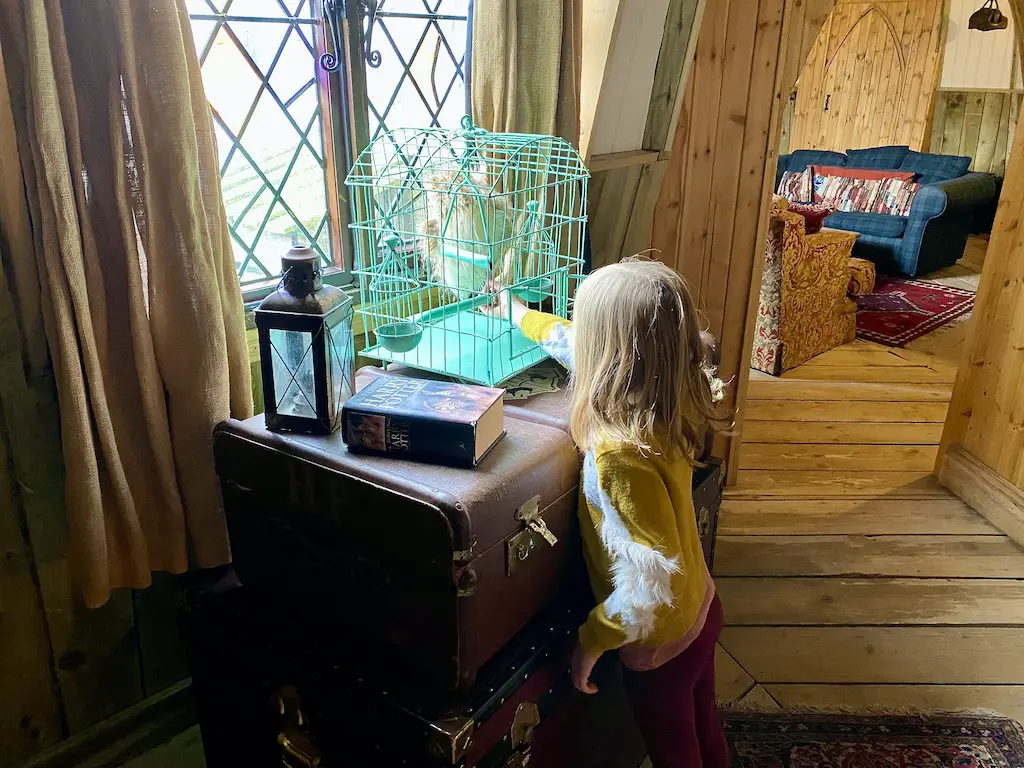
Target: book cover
(424, 419)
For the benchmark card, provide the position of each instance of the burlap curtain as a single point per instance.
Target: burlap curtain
(526, 66)
(125, 259)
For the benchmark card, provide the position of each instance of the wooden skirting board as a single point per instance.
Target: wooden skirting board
(993, 497)
(127, 734)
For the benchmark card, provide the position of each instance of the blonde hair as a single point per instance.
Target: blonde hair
(642, 376)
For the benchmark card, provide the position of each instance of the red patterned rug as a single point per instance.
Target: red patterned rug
(769, 740)
(901, 310)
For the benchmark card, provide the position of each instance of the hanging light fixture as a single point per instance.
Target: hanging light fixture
(988, 18)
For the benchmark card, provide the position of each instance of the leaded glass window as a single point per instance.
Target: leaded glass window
(288, 128)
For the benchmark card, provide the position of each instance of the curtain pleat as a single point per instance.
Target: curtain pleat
(135, 273)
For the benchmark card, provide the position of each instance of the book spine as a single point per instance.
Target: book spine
(416, 437)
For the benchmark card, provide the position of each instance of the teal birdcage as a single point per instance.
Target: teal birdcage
(437, 216)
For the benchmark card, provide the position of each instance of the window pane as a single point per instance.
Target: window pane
(293, 372)
(259, 70)
(420, 78)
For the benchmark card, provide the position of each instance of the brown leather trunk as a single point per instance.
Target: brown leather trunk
(427, 570)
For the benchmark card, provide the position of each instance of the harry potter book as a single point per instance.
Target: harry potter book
(436, 421)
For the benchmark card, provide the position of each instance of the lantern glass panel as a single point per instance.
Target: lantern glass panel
(339, 361)
(293, 372)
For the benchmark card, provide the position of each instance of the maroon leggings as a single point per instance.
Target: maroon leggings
(674, 705)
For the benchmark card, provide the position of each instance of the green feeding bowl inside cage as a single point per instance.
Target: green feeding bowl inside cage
(400, 336)
(535, 290)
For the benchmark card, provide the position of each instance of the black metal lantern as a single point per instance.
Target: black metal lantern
(306, 348)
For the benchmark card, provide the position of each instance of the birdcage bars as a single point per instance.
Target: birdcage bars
(439, 215)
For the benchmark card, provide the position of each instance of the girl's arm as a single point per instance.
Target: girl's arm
(636, 521)
(554, 334)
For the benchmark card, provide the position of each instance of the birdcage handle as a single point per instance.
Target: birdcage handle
(469, 129)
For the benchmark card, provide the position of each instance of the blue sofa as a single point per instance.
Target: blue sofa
(933, 236)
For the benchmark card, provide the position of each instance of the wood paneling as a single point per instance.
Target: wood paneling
(710, 215)
(870, 76)
(988, 399)
(978, 124)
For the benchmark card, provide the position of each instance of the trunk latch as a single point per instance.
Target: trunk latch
(524, 723)
(529, 513)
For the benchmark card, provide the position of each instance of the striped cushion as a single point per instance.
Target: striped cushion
(796, 186)
(895, 197)
(845, 193)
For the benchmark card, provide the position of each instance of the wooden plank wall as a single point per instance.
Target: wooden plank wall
(711, 215)
(978, 124)
(984, 413)
(875, 66)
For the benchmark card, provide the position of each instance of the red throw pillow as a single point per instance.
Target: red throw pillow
(814, 215)
(863, 173)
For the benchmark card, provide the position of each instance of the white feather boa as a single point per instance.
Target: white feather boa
(641, 576)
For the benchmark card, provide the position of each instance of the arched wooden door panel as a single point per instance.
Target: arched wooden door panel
(870, 76)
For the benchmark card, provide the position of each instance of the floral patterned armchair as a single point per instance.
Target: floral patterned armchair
(803, 308)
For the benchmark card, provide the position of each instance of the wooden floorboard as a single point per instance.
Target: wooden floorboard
(841, 410)
(842, 432)
(772, 388)
(775, 517)
(731, 682)
(849, 577)
(870, 602)
(971, 655)
(873, 373)
(803, 484)
(833, 456)
(980, 557)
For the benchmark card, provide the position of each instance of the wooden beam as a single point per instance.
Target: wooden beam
(599, 163)
(682, 28)
(992, 496)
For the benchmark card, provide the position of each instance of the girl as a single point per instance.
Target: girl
(642, 397)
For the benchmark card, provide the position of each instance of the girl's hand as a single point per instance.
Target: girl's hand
(503, 303)
(582, 666)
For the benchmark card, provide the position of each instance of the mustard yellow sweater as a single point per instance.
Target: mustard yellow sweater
(640, 538)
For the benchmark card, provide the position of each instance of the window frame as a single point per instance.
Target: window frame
(344, 129)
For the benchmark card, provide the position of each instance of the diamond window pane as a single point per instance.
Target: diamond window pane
(260, 78)
(421, 78)
(260, 69)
